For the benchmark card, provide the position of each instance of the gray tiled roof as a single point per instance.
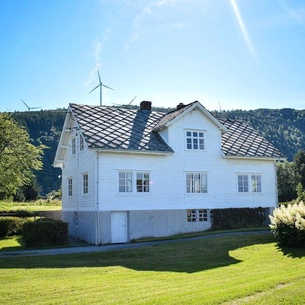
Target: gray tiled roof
(120, 129)
(243, 140)
(135, 130)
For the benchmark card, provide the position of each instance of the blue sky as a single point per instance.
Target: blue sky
(228, 54)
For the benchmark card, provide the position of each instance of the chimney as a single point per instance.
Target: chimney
(180, 106)
(145, 105)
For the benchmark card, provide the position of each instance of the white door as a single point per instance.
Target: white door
(118, 227)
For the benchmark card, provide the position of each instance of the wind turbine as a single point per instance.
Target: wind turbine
(127, 104)
(101, 86)
(29, 108)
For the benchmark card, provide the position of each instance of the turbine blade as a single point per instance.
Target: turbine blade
(132, 100)
(107, 87)
(24, 103)
(96, 87)
(99, 77)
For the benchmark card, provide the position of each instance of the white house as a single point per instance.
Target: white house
(128, 173)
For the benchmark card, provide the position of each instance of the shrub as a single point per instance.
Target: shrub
(288, 224)
(45, 232)
(11, 226)
(237, 218)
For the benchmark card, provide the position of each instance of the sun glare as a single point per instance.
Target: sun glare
(243, 28)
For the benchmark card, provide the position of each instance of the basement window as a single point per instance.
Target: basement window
(197, 215)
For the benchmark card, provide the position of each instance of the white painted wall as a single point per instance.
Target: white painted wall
(75, 165)
(168, 174)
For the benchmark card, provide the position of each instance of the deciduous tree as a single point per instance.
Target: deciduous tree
(18, 157)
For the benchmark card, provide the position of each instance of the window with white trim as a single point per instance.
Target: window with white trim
(256, 182)
(142, 182)
(85, 183)
(81, 143)
(196, 182)
(134, 182)
(73, 146)
(195, 140)
(125, 182)
(197, 215)
(249, 183)
(70, 187)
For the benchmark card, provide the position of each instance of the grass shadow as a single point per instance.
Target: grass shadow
(188, 256)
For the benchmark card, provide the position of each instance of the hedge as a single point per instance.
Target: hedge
(11, 226)
(237, 218)
(45, 232)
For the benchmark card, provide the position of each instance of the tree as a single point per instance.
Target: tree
(18, 157)
(299, 163)
(286, 181)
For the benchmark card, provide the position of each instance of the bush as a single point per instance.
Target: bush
(288, 224)
(237, 218)
(11, 226)
(45, 232)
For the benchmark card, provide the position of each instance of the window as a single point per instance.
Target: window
(195, 140)
(85, 184)
(134, 182)
(143, 182)
(81, 143)
(200, 215)
(125, 182)
(244, 185)
(256, 182)
(196, 183)
(73, 146)
(70, 187)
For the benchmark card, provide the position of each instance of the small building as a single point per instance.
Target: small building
(129, 174)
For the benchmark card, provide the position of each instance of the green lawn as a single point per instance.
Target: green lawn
(39, 205)
(243, 269)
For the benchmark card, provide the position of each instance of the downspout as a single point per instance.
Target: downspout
(97, 226)
(276, 186)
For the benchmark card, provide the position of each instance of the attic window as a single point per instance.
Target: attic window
(81, 143)
(73, 146)
(195, 140)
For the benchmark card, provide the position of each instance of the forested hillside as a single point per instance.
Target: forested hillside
(45, 128)
(285, 128)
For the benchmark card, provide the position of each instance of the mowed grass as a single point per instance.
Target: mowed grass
(241, 269)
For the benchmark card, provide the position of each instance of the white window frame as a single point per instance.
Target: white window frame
(198, 215)
(195, 140)
(196, 182)
(81, 143)
(70, 187)
(85, 183)
(73, 146)
(142, 182)
(134, 182)
(125, 181)
(249, 183)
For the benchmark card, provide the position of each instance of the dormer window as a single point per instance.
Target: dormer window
(195, 139)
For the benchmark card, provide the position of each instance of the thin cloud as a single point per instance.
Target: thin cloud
(146, 12)
(97, 51)
(297, 15)
(243, 28)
